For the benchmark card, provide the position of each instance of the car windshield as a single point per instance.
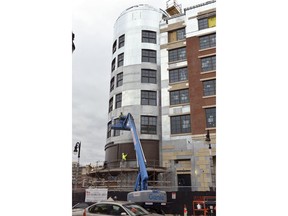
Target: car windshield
(135, 209)
(80, 205)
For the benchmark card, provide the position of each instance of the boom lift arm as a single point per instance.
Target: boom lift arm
(141, 192)
(127, 123)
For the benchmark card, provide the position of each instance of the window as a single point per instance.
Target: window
(148, 76)
(120, 60)
(119, 79)
(112, 84)
(121, 41)
(177, 54)
(148, 55)
(148, 98)
(110, 105)
(178, 75)
(118, 100)
(114, 46)
(207, 22)
(209, 87)
(176, 35)
(179, 97)
(148, 36)
(207, 41)
(180, 124)
(148, 125)
(109, 129)
(208, 63)
(210, 117)
(113, 65)
(116, 132)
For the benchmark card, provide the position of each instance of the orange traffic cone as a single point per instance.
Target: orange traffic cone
(185, 210)
(84, 212)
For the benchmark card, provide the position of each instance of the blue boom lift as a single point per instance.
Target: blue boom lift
(141, 192)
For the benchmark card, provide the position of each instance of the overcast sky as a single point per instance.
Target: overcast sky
(93, 23)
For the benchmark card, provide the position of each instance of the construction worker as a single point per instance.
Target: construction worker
(124, 156)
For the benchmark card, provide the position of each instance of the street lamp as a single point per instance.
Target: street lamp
(210, 154)
(77, 148)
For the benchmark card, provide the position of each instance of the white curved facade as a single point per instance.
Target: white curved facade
(130, 26)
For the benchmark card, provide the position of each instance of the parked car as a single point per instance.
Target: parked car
(77, 209)
(115, 208)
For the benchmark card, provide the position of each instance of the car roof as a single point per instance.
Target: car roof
(115, 202)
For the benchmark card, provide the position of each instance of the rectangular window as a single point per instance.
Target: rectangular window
(176, 35)
(113, 65)
(110, 105)
(209, 87)
(210, 117)
(180, 124)
(148, 55)
(119, 79)
(179, 97)
(112, 84)
(148, 125)
(208, 63)
(116, 132)
(148, 76)
(177, 54)
(207, 41)
(120, 60)
(109, 129)
(149, 98)
(148, 36)
(207, 22)
(114, 46)
(121, 41)
(178, 75)
(118, 101)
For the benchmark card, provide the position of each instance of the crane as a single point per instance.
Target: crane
(141, 192)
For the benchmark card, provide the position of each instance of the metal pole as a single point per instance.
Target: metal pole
(77, 148)
(210, 158)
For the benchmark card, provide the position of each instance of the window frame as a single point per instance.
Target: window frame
(112, 83)
(121, 41)
(211, 63)
(207, 41)
(118, 100)
(110, 106)
(119, 81)
(177, 73)
(149, 36)
(120, 61)
(176, 126)
(177, 54)
(116, 132)
(151, 98)
(177, 35)
(148, 76)
(109, 128)
(179, 93)
(113, 64)
(151, 56)
(114, 47)
(150, 126)
(209, 91)
(210, 112)
(203, 22)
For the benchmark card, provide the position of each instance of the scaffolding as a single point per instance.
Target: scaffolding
(121, 176)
